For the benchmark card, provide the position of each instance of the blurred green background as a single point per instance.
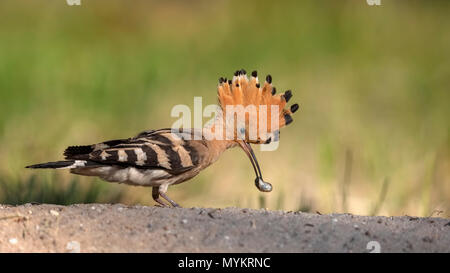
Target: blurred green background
(372, 135)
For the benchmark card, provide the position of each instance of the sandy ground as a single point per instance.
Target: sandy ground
(120, 228)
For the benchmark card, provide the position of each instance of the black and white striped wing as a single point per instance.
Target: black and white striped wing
(159, 149)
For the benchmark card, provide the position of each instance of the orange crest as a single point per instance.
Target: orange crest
(261, 104)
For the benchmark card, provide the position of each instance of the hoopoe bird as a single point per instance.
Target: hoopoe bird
(160, 158)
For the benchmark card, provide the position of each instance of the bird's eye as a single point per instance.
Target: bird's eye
(242, 130)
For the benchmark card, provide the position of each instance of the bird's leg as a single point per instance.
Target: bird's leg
(173, 203)
(155, 195)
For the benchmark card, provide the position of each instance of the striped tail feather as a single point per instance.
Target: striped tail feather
(82, 152)
(66, 164)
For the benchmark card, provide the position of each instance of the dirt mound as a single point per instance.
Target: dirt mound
(119, 228)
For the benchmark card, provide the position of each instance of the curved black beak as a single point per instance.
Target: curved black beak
(259, 182)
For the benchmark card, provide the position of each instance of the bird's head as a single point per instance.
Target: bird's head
(253, 113)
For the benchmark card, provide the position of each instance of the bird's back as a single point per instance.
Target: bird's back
(151, 158)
